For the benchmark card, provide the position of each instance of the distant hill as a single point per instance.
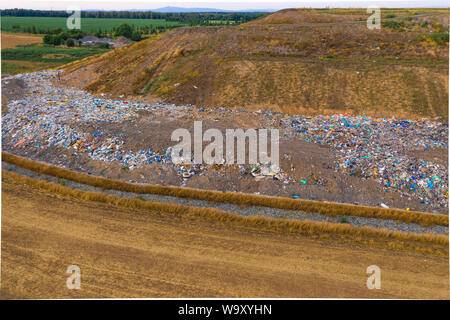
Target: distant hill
(183, 10)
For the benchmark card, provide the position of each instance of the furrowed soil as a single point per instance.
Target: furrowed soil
(134, 253)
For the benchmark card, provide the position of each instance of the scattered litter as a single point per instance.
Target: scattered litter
(381, 150)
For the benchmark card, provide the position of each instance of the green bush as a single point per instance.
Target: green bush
(70, 42)
(103, 45)
(439, 38)
(47, 39)
(124, 30)
(76, 34)
(394, 25)
(136, 36)
(55, 39)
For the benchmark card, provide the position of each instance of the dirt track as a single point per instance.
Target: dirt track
(130, 253)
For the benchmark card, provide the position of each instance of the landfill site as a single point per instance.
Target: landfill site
(92, 178)
(385, 162)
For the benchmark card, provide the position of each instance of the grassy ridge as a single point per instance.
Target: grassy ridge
(325, 208)
(216, 215)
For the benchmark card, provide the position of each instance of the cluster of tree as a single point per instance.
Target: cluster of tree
(206, 19)
(190, 18)
(135, 34)
(58, 37)
(127, 31)
(148, 29)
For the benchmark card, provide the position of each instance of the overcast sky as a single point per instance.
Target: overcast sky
(228, 5)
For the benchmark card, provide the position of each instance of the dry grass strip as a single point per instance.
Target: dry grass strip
(325, 208)
(216, 215)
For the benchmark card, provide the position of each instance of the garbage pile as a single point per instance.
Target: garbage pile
(376, 149)
(369, 148)
(48, 116)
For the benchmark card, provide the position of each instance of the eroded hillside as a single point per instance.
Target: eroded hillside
(400, 70)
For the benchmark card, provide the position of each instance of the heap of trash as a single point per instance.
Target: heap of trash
(377, 149)
(46, 117)
(369, 148)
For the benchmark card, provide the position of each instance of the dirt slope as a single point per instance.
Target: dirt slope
(341, 15)
(131, 253)
(299, 16)
(287, 67)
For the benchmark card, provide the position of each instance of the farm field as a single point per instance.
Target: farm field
(31, 57)
(17, 24)
(136, 253)
(11, 40)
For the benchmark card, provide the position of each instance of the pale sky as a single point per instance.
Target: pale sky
(220, 4)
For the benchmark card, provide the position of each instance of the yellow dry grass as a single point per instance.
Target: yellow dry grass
(125, 252)
(282, 67)
(212, 214)
(329, 209)
(11, 40)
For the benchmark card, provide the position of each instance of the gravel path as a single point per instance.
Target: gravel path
(247, 211)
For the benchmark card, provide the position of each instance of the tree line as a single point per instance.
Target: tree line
(190, 18)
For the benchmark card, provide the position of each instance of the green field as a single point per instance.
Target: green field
(48, 53)
(16, 24)
(33, 57)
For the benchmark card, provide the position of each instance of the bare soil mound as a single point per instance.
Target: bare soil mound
(299, 16)
(319, 69)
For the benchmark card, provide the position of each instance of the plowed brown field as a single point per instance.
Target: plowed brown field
(11, 40)
(133, 253)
